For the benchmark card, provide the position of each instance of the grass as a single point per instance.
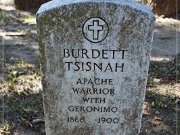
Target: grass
(12, 80)
(162, 69)
(23, 31)
(23, 104)
(4, 19)
(158, 102)
(7, 129)
(23, 107)
(31, 19)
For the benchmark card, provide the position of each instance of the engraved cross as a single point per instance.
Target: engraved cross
(95, 28)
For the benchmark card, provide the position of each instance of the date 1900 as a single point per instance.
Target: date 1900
(108, 120)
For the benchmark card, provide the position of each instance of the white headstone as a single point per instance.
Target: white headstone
(95, 59)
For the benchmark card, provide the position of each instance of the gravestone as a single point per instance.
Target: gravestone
(95, 58)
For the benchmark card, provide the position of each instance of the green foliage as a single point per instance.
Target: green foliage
(23, 31)
(3, 18)
(7, 128)
(158, 102)
(10, 85)
(12, 80)
(23, 62)
(29, 19)
(23, 104)
(160, 69)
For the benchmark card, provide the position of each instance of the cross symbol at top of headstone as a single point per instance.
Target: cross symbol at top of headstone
(96, 28)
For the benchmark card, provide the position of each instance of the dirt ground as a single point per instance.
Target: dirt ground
(20, 77)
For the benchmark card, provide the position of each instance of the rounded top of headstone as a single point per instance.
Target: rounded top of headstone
(58, 3)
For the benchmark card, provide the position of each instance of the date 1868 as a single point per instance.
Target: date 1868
(76, 119)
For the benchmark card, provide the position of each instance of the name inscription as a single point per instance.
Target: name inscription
(93, 90)
(80, 54)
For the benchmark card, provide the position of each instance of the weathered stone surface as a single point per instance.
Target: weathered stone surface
(95, 58)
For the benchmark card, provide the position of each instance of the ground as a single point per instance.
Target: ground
(20, 77)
